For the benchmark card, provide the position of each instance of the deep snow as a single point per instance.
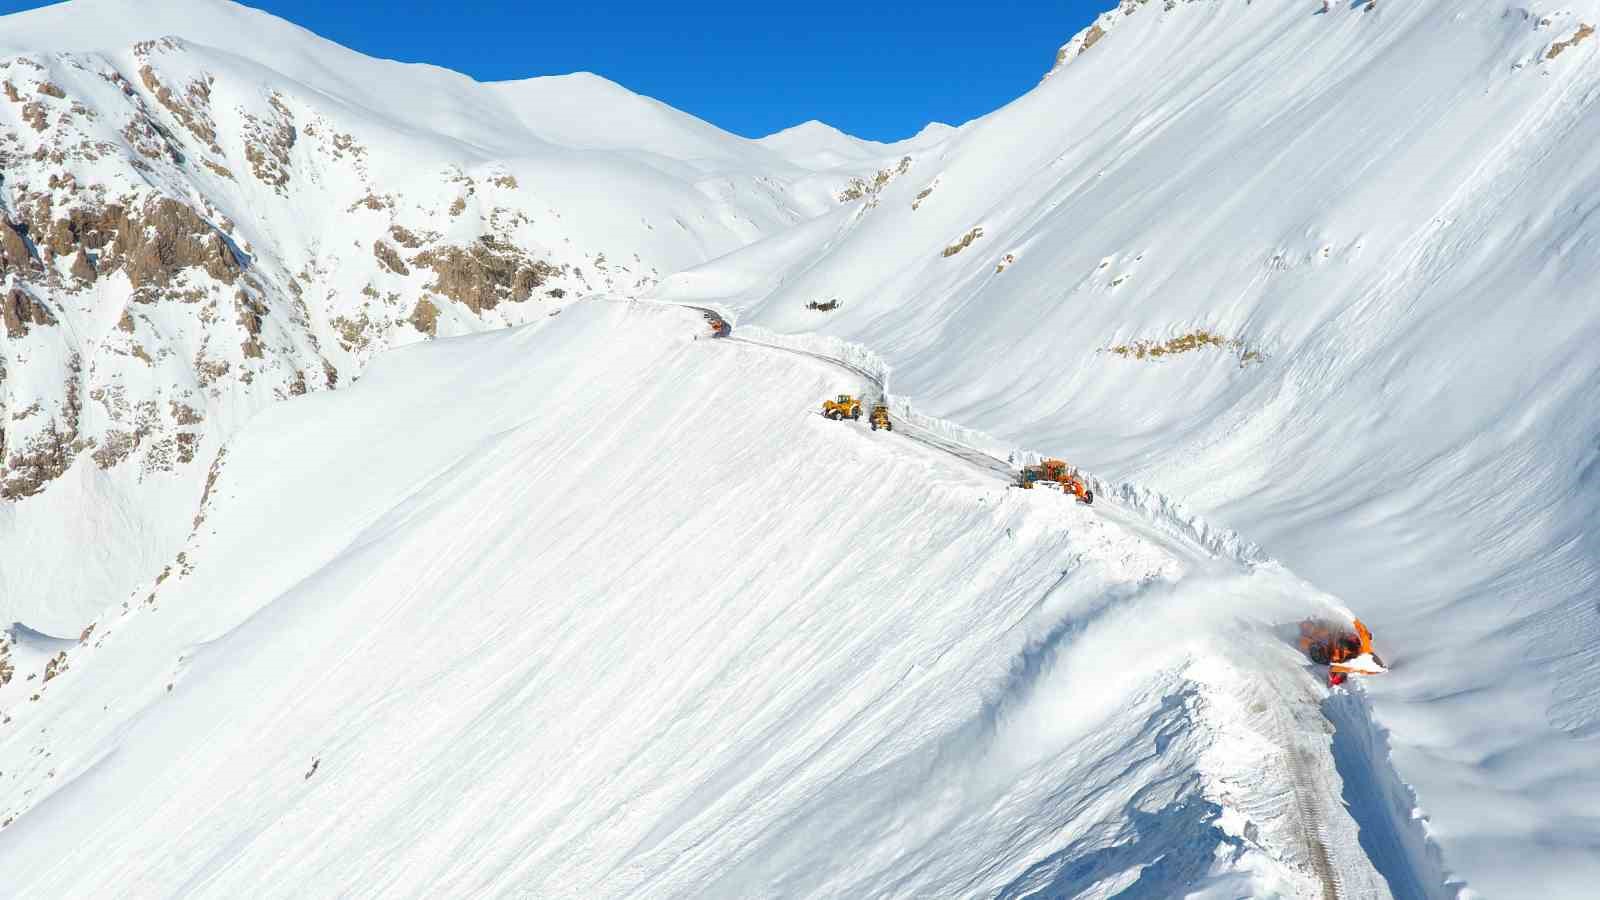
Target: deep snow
(595, 607)
(591, 607)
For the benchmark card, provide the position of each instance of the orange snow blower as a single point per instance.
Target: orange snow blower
(1344, 652)
(1056, 475)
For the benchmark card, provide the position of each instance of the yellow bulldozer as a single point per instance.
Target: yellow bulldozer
(880, 418)
(843, 406)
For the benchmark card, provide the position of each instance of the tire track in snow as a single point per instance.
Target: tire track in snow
(1310, 826)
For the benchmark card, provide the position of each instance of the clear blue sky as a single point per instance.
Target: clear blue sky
(876, 70)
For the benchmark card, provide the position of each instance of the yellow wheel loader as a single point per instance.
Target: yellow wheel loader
(843, 406)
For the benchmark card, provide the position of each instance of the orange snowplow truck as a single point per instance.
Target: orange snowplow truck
(1056, 474)
(1343, 651)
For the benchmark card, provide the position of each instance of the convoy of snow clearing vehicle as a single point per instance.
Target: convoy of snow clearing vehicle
(848, 406)
(1344, 650)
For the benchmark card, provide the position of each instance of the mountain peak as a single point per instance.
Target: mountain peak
(813, 128)
(815, 144)
(106, 25)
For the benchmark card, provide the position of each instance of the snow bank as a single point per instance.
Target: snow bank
(1394, 830)
(1159, 508)
(866, 363)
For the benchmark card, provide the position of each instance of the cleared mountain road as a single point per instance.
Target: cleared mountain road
(1321, 855)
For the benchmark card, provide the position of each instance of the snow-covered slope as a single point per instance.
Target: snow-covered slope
(589, 607)
(199, 225)
(1324, 271)
(595, 608)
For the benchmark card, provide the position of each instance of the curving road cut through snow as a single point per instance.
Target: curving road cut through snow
(1390, 835)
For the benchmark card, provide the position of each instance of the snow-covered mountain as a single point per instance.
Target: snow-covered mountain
(818, 145)
(208, 210)
(597, 605)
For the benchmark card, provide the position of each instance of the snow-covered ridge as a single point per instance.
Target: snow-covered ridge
(1099, 28)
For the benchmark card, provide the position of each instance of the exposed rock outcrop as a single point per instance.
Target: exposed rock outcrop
(120, 177)
(1102, 26)
(425, 318)
(83, 266)
(51, 451)
(268, 145)
(152, 243)
(15, 254)
(484, 274)
(404, 237)
(190, 110)
(389, 258)
(167, 238)
(252, 315)
(19, 309)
